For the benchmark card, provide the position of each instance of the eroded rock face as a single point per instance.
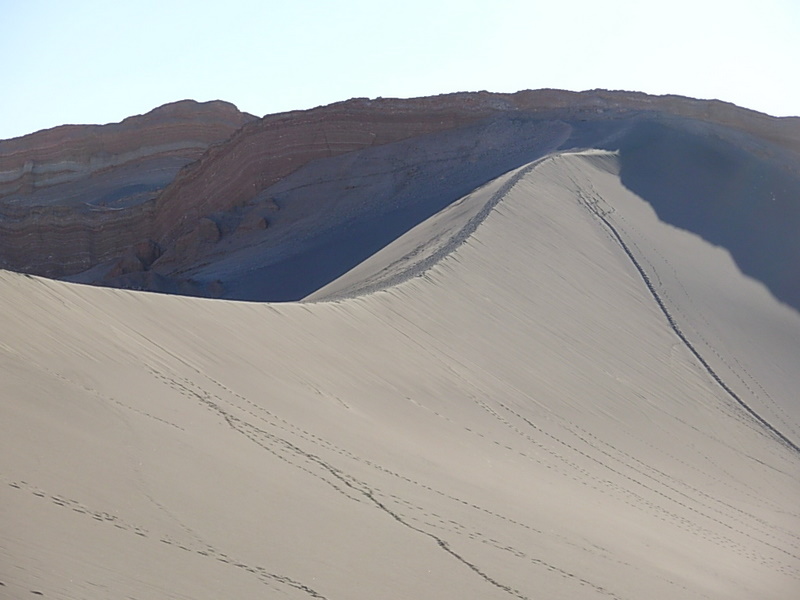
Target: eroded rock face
(201, 181)
(72, 152)
(78, 195)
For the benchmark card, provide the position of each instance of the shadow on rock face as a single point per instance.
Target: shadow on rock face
(303, 232)
(724, 192)
(718, 184)
(337, 212)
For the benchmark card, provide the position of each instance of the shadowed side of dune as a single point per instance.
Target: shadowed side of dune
(727, 190)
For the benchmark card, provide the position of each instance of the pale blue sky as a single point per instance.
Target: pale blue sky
(87, 61)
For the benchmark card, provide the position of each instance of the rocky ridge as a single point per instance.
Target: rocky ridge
(106, 203)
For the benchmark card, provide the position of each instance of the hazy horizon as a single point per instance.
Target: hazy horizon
(76, 65)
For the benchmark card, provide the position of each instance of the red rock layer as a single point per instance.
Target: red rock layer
(267, 150)
(48, 230)
(60, 241)
(69, 152)
(259, 154)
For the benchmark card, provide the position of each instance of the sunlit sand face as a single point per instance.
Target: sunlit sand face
(541, 391)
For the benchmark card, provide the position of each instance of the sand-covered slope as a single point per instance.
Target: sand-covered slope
(542, 392)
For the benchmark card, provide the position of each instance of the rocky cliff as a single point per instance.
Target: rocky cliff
(78, 195)
(153, 201)
(267, 150)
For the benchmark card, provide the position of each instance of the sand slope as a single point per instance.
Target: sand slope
(542, 392)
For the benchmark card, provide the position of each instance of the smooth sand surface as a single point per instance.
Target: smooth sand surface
(541, 392)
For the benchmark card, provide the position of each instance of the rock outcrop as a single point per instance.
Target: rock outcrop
(194, 183)
(265, 151)
(75, 196)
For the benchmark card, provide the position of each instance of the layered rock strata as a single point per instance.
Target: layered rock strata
(75, 196)
(59, 219)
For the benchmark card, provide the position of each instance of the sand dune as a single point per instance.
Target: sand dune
(540, 392)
